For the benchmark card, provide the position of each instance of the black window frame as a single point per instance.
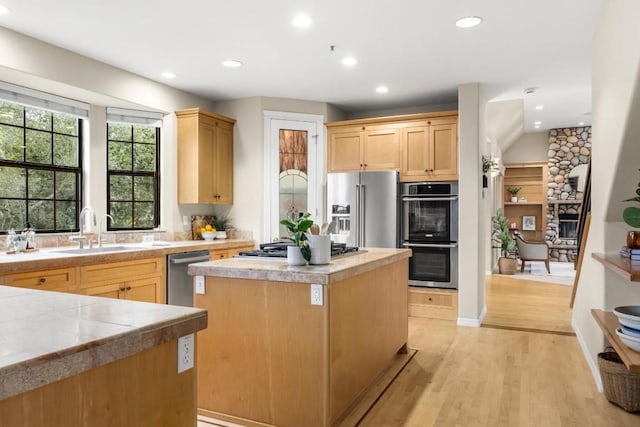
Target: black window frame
(132, 173)
(29, 166)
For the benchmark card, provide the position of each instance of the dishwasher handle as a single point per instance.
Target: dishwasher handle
(190, 260)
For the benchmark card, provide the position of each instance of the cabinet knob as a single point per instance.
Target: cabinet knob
(128, 288)
(122, 288)
(430, 299)
(428, 123)
(365, 165)
(361, 165)
(42, 280)
(426, 170)
(363, 128)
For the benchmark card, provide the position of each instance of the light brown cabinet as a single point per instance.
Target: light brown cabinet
(205, 157)
(368, 148)
(60, 280)
(430, 151)
(423, 147)
(216, 254)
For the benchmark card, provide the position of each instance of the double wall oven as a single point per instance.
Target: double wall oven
(429, 226)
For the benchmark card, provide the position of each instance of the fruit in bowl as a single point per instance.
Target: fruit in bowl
(208, 232)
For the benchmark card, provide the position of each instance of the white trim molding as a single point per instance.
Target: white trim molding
(585, 350)
(473, 323)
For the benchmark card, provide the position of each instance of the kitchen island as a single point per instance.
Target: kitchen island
(73, 360)
(271, 357)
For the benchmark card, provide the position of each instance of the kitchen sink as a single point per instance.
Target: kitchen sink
(106, 249)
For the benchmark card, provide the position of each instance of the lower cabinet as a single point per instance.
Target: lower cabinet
(145, 290)
(60, 280)
(227, 253)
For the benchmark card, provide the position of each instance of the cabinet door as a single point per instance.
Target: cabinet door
(223, 170)
(92, 275)
(145, 290)
(381, 148)
(345, 150)
(415, 153)
(112, 290)
(444, 160)
(207, 163)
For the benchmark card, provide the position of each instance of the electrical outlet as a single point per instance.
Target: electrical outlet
(185, 220)
(185, 353)
(200, 289)
(316, 294)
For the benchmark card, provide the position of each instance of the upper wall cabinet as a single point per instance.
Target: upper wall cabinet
(205, 157)
(423, 147)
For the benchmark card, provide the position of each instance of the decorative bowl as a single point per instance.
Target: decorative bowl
(631, 342)
(208, 235)
(635, 333)
(628, 315)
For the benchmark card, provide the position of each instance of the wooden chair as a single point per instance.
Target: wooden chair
(532, 251)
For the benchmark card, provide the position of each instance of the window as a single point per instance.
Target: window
(40, 168)
(133, 183)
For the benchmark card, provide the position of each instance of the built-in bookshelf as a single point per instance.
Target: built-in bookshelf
(532, 178)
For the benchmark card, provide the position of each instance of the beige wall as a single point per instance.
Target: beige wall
(616, 131)
(400, 111)
(530, 147)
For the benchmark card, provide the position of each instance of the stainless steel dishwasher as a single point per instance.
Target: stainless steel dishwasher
(179, 283)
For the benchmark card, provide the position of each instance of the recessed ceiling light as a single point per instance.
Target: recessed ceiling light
(302, 21)
(537, 122)
(349, 61)
(3, 10)
(232, 63)
(168, 75)
(537, 126)
(539, 107)
(581, 124)
(468, 21)
(382, 89)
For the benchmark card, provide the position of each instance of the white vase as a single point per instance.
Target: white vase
(514, 199)
(222, 234)
(320, 246)
(294, 256)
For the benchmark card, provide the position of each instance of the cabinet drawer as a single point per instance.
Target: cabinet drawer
(431, 298)
(63, 279)
(434, 304)
(218, 254)
(120, 271)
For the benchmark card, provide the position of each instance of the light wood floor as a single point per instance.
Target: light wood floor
(498, 377)
(527, 305)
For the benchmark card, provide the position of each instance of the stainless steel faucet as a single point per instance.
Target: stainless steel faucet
(81, 238)
(100, 229)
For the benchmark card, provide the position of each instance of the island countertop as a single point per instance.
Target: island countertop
(276, 269)
(49, 336)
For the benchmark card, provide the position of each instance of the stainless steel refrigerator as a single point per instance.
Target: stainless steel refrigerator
(363, 206)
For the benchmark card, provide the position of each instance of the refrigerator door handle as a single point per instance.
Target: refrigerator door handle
(363, 194)
(358, 215)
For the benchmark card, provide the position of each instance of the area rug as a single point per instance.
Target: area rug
(561, 272)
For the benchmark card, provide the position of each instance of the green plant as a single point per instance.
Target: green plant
(298, 229)
(488, 164)
(221, 222)
(501, 234)
(631, 215)
(514, 190)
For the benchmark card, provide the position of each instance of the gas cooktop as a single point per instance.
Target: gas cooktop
(279, 250)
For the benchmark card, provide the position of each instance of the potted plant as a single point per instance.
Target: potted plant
(502, 237)
(631, 217)
(514, 193)
(299, 253)
(221, 223)
(487, 164)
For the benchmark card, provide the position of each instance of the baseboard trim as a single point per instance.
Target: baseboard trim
(587, 355)
(471, 322)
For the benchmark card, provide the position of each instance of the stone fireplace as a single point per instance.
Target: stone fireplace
(569, 153)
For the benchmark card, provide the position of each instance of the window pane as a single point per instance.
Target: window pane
(119, 156)
(66, 215)
(118, 132)
(41, 214)
(144, 157)
(122, 213)
(64, 123)
(13, 182)
(38, 147)
(65, 186)
(12, 214)
(65, 150)
(40, 184)
(121, 187)
(38, 119)
(143, 188)
(11, 142)
(144, 134)
(143, 215)
(12, 114)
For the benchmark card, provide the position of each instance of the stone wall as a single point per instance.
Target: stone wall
(568, 148)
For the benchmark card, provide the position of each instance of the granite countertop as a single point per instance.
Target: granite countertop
(276, 269)
(48, 258)
(49, 336)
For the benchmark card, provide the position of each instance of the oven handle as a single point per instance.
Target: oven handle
(429, 199)
(430, 245)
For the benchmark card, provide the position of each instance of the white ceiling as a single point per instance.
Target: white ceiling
(412, 46)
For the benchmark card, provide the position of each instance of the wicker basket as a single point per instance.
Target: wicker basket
(621, 387)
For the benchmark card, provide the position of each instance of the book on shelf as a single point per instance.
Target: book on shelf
(630, 253)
